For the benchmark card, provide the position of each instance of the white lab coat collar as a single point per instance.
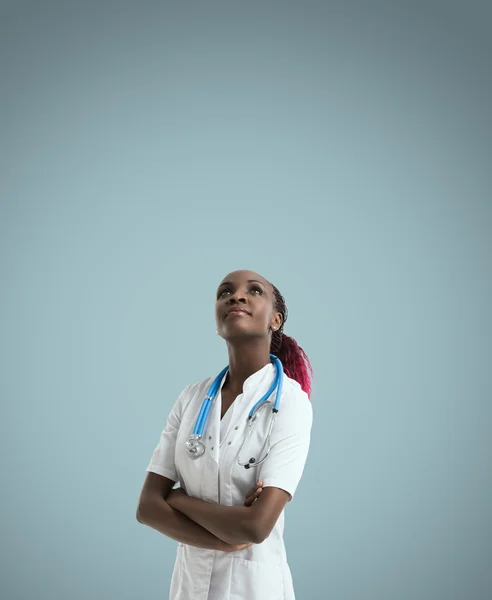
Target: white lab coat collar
(262, 377)
(265, 375)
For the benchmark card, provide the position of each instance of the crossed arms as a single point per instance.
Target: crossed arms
(205, 525)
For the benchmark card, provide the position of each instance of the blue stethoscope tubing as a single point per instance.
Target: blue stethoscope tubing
(194, 445)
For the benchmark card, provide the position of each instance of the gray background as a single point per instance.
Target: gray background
(341, 150)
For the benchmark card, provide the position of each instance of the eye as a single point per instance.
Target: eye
(222, 292)
(254, 288)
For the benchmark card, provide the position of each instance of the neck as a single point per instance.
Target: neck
(244, 360)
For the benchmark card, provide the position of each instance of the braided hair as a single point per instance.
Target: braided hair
(293, 358)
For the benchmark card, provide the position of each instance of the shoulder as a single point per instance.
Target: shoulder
(192, 391)
(295, 403)
(294, 392)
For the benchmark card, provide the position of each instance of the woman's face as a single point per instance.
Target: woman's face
(252, 297)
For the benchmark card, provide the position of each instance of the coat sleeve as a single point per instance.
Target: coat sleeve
(290, 441)
(162, 460)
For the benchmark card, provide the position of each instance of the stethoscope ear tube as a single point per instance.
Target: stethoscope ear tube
(252, 461)
(206, 404)
(200, 417)
(195, 447)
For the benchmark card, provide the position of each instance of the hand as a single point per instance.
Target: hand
(253, 494)
(174, 495)
(234, 547)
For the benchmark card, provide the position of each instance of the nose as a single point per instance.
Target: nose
(238, 296)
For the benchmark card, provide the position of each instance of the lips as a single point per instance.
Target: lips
(238, 311)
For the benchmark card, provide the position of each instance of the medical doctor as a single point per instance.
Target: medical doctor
(237, 444)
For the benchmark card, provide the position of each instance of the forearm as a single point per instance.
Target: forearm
(233, 524)
(174, 524)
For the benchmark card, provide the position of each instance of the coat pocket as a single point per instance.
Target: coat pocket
(256, 580)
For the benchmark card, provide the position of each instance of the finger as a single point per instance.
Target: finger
(233, 548)
(249, 501)
(253, 489)
(253, 494)
(243, 546)
(249, 495)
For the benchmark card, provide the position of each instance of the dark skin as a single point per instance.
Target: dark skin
(248, 337)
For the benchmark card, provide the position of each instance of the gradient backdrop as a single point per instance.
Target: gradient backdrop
(342, 150)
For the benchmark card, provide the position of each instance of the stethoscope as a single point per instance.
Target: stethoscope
(195, 447)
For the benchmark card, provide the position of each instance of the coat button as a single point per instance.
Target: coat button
(230, 443)
(237, 427)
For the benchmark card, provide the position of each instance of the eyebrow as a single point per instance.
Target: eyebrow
(249, 281)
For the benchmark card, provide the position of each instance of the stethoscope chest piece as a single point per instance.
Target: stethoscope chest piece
(194, 447)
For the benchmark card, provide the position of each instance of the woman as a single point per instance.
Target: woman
(231, 539)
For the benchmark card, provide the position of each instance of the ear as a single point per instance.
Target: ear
(276, 321)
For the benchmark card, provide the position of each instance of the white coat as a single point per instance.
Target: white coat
(261, 571)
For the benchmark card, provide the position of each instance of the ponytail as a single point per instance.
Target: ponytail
(293, 358)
